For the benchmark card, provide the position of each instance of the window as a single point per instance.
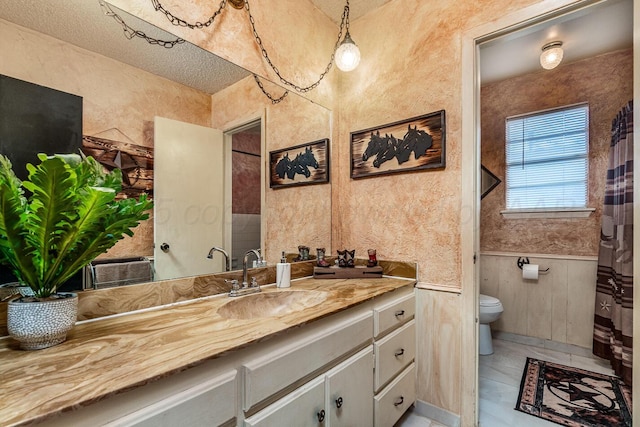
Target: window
(547, 159)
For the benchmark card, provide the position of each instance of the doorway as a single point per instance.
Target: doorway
(244, 203)
(504, 27)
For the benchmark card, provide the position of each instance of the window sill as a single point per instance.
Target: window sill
(547, 213)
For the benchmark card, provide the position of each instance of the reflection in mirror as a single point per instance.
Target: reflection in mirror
(73, 47)
(488, 181)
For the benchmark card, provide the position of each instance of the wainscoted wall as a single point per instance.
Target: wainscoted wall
(605, 82)
(439, 333)
(559, 306)
(246, 232)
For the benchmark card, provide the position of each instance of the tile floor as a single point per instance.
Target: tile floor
(500, 375)
(499, 379)
(412, 419)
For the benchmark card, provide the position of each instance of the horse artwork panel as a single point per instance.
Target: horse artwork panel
(300, 165)
(405, 146)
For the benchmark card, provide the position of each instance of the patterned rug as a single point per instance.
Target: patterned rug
(573, 397)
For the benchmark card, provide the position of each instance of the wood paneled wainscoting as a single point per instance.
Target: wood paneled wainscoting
(559, 306)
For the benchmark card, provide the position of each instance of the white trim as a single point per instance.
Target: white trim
(438, 288)
(435, 413)
(545, 256)
(547, 213)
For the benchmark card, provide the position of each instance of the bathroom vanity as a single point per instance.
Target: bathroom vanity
(321, 353)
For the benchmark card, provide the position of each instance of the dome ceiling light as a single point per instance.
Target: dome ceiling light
(551, 55)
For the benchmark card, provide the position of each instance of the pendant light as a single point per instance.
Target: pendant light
(347, 54)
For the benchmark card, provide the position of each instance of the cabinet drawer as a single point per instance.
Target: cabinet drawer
(275, 370)
(303, 407)
(393, 353)
(395, 399)
(211, 403)
(393, 314)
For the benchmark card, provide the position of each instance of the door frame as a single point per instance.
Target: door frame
(470, 212)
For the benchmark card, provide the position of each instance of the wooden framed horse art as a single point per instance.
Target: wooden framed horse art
(404, 146)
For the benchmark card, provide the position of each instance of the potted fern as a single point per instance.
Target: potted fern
(67, 216)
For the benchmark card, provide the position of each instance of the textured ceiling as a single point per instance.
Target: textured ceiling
(84, 24)
(357, 8)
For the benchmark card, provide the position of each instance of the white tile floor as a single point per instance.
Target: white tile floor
(499, 377)
(412, 419)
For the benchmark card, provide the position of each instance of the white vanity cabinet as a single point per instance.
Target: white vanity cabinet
(339, 397)
(394, 347)
(351, 368)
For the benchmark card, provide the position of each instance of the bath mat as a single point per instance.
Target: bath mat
(573, 397)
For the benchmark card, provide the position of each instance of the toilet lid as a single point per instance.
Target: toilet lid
(487, 301)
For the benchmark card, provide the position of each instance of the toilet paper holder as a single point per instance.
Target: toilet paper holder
(524, 260)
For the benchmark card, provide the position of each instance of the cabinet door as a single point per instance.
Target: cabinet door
(303, 407)
(349, 388)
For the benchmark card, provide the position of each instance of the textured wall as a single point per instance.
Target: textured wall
(292, 216)
(115, 96)
(246, 173)
(606, 83)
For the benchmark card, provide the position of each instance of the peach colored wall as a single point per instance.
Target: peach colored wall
(246, 173)
(412, 65)
(115, 95)
(606, 83)
(292, 216)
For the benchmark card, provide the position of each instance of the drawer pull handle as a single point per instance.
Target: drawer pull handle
(399, 313)
(321, 416)
(399, 401)
(339, 402)
(399, 352)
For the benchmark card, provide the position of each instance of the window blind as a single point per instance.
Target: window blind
(547, 159)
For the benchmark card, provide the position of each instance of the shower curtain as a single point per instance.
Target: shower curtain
(612, 335)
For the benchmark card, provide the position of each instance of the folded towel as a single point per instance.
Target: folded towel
(122, 273)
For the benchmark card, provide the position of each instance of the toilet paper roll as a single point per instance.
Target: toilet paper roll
(530, 271)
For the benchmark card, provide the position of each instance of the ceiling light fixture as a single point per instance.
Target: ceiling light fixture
(551, 55)
(347, 54)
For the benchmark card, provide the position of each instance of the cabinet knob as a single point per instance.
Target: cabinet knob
(339, 402)
(320, 416)
(399, 313)
(399, 402)
(164, 247)
(399, 352)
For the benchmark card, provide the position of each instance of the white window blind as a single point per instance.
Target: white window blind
(547, 157)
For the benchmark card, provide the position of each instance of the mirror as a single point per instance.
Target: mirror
(73, 47)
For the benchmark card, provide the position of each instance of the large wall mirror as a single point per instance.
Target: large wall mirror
(128, 85)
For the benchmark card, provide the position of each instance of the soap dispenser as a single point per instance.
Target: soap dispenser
(283, 273)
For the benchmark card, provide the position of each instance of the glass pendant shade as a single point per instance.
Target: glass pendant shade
(551, 55)
(347, 54)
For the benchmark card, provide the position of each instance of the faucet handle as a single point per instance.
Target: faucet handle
(254, 283)
(234, 283)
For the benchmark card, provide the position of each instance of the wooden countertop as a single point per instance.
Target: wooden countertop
(108, 355)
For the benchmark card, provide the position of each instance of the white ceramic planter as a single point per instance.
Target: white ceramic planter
(42, 324)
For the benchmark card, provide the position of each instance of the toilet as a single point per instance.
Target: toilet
(490, 311)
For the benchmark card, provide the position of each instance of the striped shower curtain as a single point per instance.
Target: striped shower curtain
(612, 335)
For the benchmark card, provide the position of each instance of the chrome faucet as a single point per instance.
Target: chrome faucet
(246, 288)
(227, 265)
(244, 265)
